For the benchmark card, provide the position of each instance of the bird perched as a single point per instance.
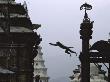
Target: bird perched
(67, 49)
(102, 47)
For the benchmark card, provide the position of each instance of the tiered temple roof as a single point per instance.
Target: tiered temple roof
(18, 38)
(39, 67)
(14, 14)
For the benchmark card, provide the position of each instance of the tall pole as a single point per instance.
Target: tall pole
(85, 33)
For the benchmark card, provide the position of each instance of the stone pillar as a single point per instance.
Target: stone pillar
(85, 64)
(85, 33)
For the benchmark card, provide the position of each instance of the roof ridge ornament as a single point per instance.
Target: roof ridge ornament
(86, 7)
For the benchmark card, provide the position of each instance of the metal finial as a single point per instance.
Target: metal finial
(86, 7)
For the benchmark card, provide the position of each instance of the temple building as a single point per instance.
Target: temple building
(39, 67)
(18, 42)
(96, 74)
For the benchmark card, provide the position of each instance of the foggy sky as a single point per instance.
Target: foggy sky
(60, 20)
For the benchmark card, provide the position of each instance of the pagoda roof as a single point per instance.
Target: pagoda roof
(13, 8)
(17, 29)
(24, 22)
(19, 22)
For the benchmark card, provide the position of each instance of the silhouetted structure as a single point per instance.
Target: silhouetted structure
(67, 49)
(18, 43)
(85, 33)
(103, 47)
(87, 55)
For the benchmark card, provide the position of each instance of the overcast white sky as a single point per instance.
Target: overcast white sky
(60, 20)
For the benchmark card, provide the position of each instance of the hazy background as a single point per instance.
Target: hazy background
(60, 20)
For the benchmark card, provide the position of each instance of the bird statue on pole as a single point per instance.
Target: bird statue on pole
(67, 49)
(86, 7)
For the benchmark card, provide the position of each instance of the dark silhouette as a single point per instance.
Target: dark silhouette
(86, 6)
(67, 49)
(37, 78)
(102, 47)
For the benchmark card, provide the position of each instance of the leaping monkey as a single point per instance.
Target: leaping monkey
(67, 49)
